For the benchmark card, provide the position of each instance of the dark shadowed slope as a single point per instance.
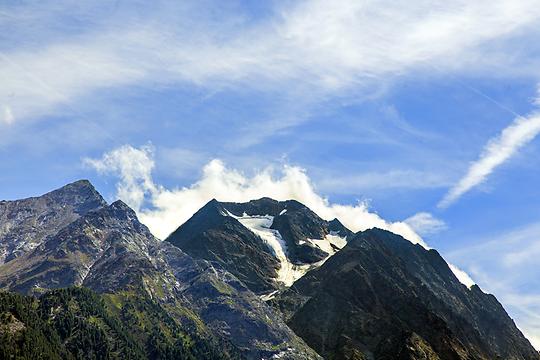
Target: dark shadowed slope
(265, 243)
(382, 297)
(213, 235)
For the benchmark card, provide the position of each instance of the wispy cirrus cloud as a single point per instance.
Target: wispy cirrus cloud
(497, 151)
(394, 179)
(8, 117)
(425, 223)
(311, 48)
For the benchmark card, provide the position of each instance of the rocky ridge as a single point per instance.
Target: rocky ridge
(25, 223)
(109, 251)
(268, 244)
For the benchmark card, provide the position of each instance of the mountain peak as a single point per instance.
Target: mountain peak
(399, 288)
(76, 185)
(52, 211)
(337, 227)
(265, 199)
(81, 183)
(211, 209)
(265, 242)
(81, 194)
(120, 205)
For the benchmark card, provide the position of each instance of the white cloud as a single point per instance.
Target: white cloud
(496, 152)
(425, 223)
(172, 207)
(462, 276)
(134, 167)
(8, 117)
(309, 48)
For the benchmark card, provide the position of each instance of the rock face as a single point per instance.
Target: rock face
(109, 251)
(66, 258)
(226, 307)
(25, 223)
(266, 243)
(213, 235)
(382, 297)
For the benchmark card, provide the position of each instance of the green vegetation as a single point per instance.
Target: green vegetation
(76, 323)
(221, 287)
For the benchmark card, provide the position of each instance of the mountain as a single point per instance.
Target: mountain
(352, 296)
(213, 235)
(382, 297)
(108, 251)
(264, 279)
(267, 244)
(66, 258)
(25, 223)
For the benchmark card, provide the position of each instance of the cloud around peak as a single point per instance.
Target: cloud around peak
(134, 166)
(163, 210)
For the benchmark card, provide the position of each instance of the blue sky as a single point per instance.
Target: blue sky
(428, 108)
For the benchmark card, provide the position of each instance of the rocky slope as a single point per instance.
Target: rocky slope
(25, 223)
(382, 297)
(66, 258)
(266, 243)
(109, 251)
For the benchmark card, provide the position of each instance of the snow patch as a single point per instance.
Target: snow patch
(282, 212)
(336, 240)
(331, 244)
(288, 272)
(324, 245)
(269, 296)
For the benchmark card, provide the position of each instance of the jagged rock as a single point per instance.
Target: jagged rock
(66, 258)
(24, 224)
(266, 243)
(380, 287)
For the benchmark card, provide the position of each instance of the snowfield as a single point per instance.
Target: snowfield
(288, 272)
